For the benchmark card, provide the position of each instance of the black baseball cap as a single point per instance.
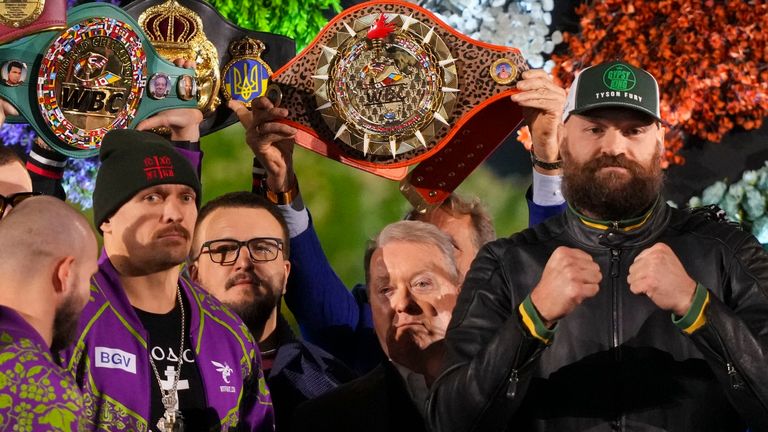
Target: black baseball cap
(613, 84)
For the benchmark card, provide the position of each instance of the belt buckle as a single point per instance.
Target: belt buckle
(92, 79)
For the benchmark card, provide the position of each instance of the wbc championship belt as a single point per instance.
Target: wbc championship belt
(232, 62)
(19, 18)
(386, 85)
(98, 74)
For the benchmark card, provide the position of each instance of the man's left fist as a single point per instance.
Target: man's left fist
(659, 274)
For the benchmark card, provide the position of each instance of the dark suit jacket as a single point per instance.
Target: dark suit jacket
(299, 372)
(376, 402)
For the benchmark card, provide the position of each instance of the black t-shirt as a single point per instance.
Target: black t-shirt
(164, 333)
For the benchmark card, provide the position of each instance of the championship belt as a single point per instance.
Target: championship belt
(386, 85)
(232, 62)
(19, 18)
(97, 75)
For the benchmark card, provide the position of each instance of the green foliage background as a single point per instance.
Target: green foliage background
(297, 19)
(349, 206)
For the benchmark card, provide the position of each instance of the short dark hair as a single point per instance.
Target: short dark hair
(457, 206)
(15, 64)
(8, 156)
(246, 200)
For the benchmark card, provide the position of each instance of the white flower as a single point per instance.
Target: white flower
(523, 24)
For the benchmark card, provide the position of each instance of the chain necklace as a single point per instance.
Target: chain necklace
(172, 420)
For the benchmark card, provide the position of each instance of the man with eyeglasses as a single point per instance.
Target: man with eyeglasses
(240, 254)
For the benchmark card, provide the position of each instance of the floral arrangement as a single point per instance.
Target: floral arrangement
(525, 24)
(710, 57)
(743, 201)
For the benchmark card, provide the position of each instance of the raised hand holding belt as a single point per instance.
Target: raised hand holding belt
(98, 74)
(386, 85)
(194, 29)
(23, 18)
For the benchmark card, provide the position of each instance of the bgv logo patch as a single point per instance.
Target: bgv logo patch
(113, 358)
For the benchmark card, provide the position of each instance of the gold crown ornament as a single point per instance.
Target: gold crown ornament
(177, 32)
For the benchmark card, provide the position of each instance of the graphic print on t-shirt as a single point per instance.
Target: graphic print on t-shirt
(164, 338)
(168, 374)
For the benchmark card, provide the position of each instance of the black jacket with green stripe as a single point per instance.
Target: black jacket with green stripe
(617, 362)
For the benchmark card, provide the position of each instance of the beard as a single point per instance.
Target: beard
(611, 195)
(65, 324)
(255, 311)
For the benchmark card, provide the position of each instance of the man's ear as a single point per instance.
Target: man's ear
(661, 133)
(106, 226)
(287, 273)
(62, 274)
(192, 267)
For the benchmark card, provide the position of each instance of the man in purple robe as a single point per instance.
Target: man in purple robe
(47, 257)
(156, 352)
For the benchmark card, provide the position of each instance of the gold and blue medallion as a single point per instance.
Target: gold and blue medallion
(246, 76)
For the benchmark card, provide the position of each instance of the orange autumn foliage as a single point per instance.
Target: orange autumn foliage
(710, 58)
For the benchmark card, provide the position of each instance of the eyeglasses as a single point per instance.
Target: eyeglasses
(226, 251)
(14, 200)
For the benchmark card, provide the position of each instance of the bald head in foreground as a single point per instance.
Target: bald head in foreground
(48, 256)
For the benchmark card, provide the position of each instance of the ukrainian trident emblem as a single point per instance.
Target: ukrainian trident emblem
(246, 75)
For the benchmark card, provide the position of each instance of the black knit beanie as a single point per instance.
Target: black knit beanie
(134, 160)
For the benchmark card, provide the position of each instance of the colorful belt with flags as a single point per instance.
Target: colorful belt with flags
(19, 18)
(232, 62)
(386, 85)
(98, 74)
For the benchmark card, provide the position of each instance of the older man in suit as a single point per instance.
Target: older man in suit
(413, 282)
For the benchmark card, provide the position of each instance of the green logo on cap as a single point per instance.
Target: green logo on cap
(619, 77)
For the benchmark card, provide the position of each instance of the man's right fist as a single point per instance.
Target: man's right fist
(570, 277)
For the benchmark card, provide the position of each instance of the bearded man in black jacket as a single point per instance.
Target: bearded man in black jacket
(621, 314)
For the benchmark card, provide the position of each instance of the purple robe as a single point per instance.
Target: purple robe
(111, 360)
(36, 394)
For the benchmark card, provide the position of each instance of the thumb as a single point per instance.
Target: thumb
(151, 123)
(243, 113)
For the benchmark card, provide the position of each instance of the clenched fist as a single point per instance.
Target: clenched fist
(570, 277)
(658, 274)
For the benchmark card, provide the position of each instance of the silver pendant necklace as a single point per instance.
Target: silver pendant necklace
(172, 420)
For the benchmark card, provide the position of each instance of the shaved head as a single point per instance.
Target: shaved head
(41, 229)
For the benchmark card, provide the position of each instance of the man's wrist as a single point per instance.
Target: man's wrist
(282, 197)
(43, 160)
(547, 165)
(537, 326)
(191, 134)
(694, 317)
(187, 145)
